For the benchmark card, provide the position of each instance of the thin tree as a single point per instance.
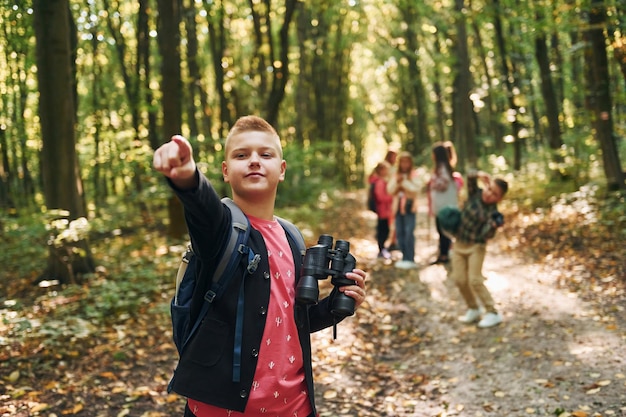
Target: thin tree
(508, 75)
(218, 45)
(280, 61)
(548, 92)
(599, 94)
(464, 133)
(417, 123)
(171, 86)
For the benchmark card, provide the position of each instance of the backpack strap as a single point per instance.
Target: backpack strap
(235, 247)
(184, 263)
(238, 219)
(294, 233)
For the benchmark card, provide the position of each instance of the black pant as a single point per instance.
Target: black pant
(444, 241)
(382, 232)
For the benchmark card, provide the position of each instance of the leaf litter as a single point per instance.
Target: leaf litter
(560, 351)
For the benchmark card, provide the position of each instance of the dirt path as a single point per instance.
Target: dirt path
(405, 353)
(558, 353)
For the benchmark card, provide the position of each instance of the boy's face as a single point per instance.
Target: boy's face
(253, 164)
(492, 194)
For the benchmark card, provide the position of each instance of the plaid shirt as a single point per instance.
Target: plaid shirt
(476, 225)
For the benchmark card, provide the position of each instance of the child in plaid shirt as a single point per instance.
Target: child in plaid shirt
(480, 219)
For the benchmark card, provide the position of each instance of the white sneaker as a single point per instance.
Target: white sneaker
(472, 315)
(405, 265)
(490, 320)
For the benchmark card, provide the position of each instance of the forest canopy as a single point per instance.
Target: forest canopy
(90, 88)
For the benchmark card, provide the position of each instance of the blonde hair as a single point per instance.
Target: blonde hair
(405, 155)
(252, 124)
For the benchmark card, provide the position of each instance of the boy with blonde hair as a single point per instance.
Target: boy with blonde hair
(276, 375)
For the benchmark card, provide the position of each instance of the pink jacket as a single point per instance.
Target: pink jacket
(383, 199)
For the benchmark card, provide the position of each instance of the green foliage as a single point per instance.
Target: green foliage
(611, 211)
(533, 191)
(127, 280)
(23, 244)
(579, 158)
(310, 173)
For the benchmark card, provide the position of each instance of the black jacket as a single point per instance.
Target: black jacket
(205, 369)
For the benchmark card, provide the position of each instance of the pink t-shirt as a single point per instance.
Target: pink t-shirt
(279, 388)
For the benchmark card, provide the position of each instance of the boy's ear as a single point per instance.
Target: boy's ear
(283, 168)
(225, 171)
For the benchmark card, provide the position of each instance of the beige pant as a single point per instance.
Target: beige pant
(467, 265)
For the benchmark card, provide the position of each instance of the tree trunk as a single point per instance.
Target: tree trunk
(280, 73)
(549, 97)
(463, 108)
(217, 45)
(548, 93)
(492, 107)
(440, 112)
(99, 186)
(194, 78)
(599, 95)
(171, 86)
(196, 87)
(6, 201)
(619, 52)
(417, 122)
(59, 162)
(508, 74)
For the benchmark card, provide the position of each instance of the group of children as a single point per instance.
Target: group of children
(395, 191)
(396, 186)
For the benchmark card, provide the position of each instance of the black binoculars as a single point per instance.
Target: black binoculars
(320, 262)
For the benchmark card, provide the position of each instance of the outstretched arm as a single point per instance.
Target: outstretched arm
(174, 159)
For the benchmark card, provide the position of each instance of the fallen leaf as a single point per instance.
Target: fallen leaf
(172, 398)
(329, 394)
(50, 385)
(39, 407)
(14, 376)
